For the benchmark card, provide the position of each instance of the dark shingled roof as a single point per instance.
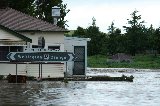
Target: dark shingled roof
(18, 21)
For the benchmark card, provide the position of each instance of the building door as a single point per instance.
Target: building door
(79, 63)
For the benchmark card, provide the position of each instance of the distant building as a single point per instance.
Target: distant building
(121, 57)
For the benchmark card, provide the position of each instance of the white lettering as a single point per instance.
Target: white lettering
(19, 56)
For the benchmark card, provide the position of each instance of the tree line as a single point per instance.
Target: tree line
(137, 38)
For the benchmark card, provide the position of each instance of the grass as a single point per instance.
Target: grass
(138, 61)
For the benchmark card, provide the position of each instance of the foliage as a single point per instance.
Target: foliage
(3, 3)
(156, 38)
(114, 46)
(25, 6)
(136, 38)
(80, 32)
(43, 10)
(97, 45)
(151, 39)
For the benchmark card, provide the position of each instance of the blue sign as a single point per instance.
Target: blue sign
(41, 56)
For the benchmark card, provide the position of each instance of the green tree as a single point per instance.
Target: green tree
(3, 4)
(104, 43)
(79, 32)
(156, 40)
(151, 39)
(25, 6)
(135, 34)
(43, 10)
(113, 41)
(95, 46)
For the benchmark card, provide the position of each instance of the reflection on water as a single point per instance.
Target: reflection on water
(144, 91)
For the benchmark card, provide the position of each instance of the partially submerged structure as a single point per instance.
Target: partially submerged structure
(121, 57)
(19, 31)
(78, 46)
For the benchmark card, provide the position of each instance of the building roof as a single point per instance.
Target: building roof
(16, 34)
(18, 21)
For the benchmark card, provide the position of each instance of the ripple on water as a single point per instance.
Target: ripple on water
(143, 91)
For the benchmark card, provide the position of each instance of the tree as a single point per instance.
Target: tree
(135, 34)
(21, 5)
(3, 4)
(113, 41)
(79, 32)
(96, 44)
(111, 29)
(151, 39)
(156, 40)
(43, 11)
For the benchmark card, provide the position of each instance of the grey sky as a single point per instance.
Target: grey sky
(106, 11)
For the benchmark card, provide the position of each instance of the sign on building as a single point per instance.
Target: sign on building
(41, 56)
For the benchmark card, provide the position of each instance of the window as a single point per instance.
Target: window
(34, 46)
(16, 49)
(4, 50)
(54, 47)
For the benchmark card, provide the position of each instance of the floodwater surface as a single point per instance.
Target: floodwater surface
(143, 91)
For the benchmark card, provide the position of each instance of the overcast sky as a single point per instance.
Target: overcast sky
(106, 11)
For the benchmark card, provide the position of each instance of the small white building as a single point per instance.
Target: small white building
(17, 29)
(78, 46)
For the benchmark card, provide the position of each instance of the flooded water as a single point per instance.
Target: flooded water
(144, 91)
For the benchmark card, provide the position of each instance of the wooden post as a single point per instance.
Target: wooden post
(66, 69)
(41, 71)
(16, 73)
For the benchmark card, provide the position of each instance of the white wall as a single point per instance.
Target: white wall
(5, 69)
(52, 70)
(50, 37)
(6, 35)
(69, 44)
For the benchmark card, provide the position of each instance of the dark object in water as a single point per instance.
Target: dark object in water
(108, 78)
(93, 78)
(20, 79)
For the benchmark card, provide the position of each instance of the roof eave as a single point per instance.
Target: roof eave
(64, 31)
(16, 34)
